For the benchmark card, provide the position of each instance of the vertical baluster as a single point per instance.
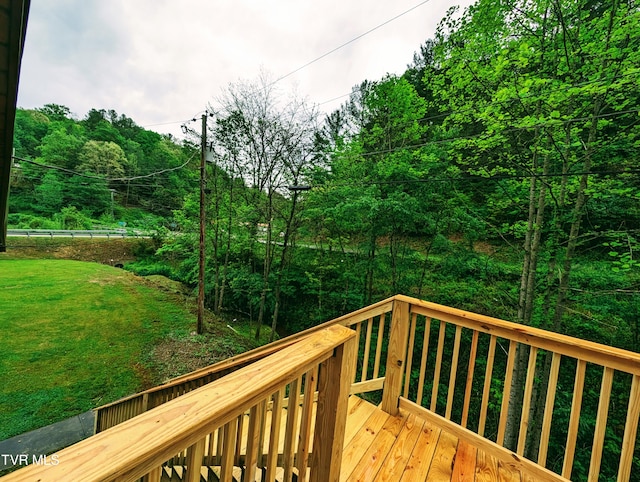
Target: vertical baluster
(453, 372)
(436, 374)
(376, 365)
(290, 434)
(195, 453)
(367, 346)
(253, 439)
(262, 432)
(469, 384)
(487, 385)
(239, 439)
(630, 430)
(274, 435)
(601, 424)
(423, 361)
(548, 409)
(574, 419)
(358, 329)
(304, 445)
(506, 392)
(228, 451)
(220, 447)
(210, 449)
(526, 400)
(407, 374)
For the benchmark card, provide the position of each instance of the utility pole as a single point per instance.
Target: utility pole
(203, 143)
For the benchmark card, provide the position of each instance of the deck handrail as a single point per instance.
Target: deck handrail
(443, 363)
(436, 375)
(116, 412)
(139, 446)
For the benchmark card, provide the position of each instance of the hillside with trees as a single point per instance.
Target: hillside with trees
(506, 153)
(97, 168)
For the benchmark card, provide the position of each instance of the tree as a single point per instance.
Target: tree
(375, 162)
(103, 158)
(533, 91)
(270, 146)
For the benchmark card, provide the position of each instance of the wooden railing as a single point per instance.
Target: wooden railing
(450, 377)
(204, 424)
(549, 403)
(371, 325)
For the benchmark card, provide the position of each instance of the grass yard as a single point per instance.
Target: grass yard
(72, 337)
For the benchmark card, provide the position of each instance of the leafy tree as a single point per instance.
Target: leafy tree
(49, 194)
(62, 145)
(270, 145)
(30, 127)
(529, 93)
(103, 158)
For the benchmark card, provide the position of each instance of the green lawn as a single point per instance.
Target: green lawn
(72, 336)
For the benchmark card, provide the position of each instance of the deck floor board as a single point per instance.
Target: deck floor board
(379, 447)
(405, 448)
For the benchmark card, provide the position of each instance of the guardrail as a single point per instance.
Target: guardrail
(370, 323)
(73, 233)
(460, 370)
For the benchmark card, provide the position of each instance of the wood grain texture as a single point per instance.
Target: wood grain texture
(362, 440)
(420, 460)
(398, 457)
(464, 465)
(396, 357)
(370, 463)
(442, 463)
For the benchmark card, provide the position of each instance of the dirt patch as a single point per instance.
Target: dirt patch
(176, 356)
(106, 251)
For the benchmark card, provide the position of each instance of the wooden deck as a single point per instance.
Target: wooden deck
(382, 447)
(404, 448)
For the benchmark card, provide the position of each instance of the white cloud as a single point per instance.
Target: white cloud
(162, 61)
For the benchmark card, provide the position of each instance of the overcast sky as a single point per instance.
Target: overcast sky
(161, 62)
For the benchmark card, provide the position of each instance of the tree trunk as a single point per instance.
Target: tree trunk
(266, 266)
(283, 261)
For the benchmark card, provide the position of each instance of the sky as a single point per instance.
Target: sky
(162, 62)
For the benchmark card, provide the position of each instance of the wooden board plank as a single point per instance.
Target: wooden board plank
(464, 465)
(354, 451)
(442, 463)
(396, 461)
(358, 413)
(507, 473)
(486, 467)
(370, 463)
(422, 455)
(482, 443)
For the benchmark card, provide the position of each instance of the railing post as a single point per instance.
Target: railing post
(396, 356)
(195, 455)
(336, 374)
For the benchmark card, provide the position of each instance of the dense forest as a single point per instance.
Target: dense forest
(498, 174)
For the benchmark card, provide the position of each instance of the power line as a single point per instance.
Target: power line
(107, 179)
(347, 43)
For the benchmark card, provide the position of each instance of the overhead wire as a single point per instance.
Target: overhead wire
(347, 43)
(103, 178)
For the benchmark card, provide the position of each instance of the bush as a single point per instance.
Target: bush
(71, 218)
(29, 221)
